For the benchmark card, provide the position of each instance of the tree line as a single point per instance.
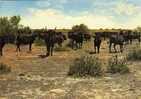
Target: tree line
(11, 26)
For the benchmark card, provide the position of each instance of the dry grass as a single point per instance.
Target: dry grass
(47, 78)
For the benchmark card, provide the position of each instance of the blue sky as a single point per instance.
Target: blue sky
(66, 13)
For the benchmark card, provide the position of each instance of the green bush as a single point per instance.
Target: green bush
(86, 66)
(134, 54)
(117, 65)
(4, 68)
(39, 42)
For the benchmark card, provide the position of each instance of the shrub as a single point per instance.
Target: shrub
(134, 54)
(85, 66)
(39, 42)
(117, 65)
(63, 48)
(4, 68)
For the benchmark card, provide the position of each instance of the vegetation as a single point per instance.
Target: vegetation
(25, 30)
(9, 25)
(134, 54)
(39, 42)
(86, 66)
(80, 28)
(117, 65)
(4, 68)
(63, 48)
(138, 29)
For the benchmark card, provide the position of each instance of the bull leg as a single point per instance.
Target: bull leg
(95, 48)
(130, 41)
(76, 45)
(110, 45)
(98, 48)
(1, 51)
(139, 39)
(60, 44)
(52, 50)
(18, 48)
(72, 44)
(48, 50)
(115, 48)
(121, 48)
(30, 47)
(81, 44)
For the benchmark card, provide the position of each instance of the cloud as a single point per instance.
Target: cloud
(7, 3)
(122, 15)
(62, 1)
(135, 21)
(54, 18)
(124, 8)
(51, 3)
(42, 3)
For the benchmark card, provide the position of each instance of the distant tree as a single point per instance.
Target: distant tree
(24, 30)
(138, 29)
(80, 28)
(9, 25)
(14, 22)
(27, 30)
(4, 25)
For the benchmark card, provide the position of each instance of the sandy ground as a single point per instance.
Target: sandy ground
(33, 77)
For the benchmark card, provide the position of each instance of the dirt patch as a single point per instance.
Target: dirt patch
(33, 77)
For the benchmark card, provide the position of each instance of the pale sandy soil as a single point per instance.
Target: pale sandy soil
(46, 78)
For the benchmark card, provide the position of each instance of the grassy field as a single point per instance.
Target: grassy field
(33, 77)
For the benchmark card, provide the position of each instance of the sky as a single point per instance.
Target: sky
(66, 13)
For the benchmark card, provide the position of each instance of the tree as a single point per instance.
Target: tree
(9, 25)
(80, 28)
(4, 25)
(26, 30)
(138, 29)
(14, 22)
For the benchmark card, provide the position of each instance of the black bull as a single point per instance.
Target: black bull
(25, 40)
(18, 40)
(116, 40)
(51, 38)
(2, 44)
(76, 39)
(4, 39)
(97, 43)
(60, 38)
(130, 36)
